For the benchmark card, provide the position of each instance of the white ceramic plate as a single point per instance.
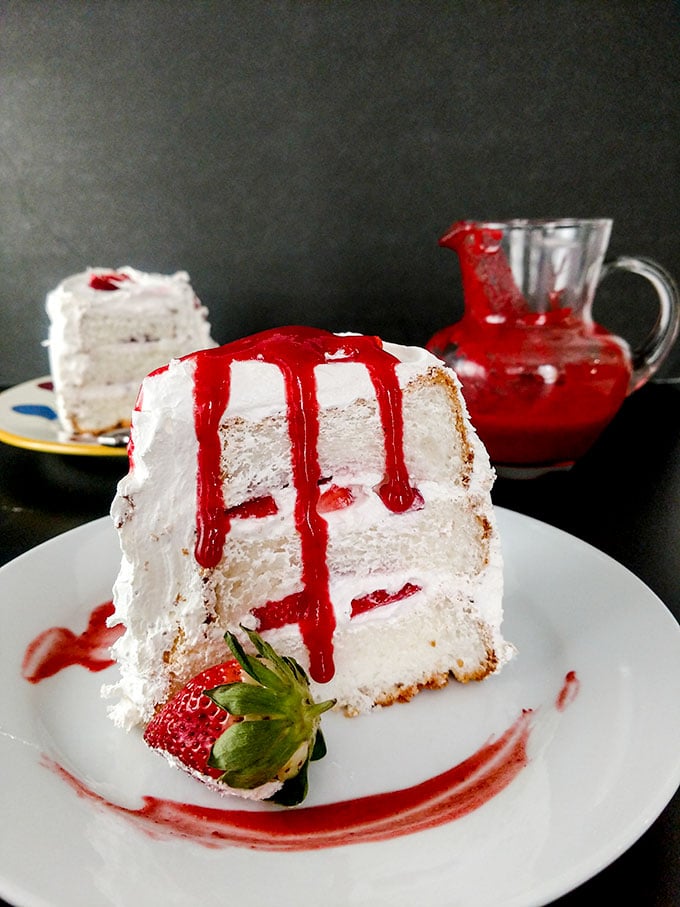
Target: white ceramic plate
(599, 771)
(28, 418)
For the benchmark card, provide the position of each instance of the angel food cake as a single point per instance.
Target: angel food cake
(326, 491)
(108, 329)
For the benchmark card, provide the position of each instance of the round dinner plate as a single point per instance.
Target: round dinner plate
(28, 418)
(595, 684)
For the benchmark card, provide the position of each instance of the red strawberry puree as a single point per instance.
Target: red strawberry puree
(498, 346)
(58, 648)
(378, 817)
(444, 798)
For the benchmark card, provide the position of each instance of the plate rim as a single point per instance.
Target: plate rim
(56, 446)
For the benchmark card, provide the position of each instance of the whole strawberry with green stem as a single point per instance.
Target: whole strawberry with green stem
(245, 723)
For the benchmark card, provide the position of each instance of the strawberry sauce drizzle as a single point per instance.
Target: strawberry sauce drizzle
(296, 352)
(443, 798)
(317, 613)
(59, 648)
(212, 384)
(569, 691)
(396, 492)
(378, 817)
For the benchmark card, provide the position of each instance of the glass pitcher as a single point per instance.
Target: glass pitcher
(542, 379)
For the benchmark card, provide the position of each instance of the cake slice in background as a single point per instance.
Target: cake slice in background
(325, 490)
(108, 329)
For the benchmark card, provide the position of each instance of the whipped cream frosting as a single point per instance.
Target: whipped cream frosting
(157, 499)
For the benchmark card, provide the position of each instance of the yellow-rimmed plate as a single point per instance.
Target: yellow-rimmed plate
(28, 418)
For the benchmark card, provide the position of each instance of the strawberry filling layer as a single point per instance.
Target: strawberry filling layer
(335, 498)
(107, 282)
(289, 610)
(256, 508)
(382, 597)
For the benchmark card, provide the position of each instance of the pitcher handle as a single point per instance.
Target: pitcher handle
(648, 357)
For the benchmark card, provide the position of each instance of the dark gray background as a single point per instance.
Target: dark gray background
(301, 159)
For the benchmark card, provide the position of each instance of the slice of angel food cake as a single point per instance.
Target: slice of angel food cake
(108, 329)
(322, 500)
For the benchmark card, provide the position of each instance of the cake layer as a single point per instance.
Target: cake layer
(265, 565)
(98, 409)
(82, 372)
(433, 445)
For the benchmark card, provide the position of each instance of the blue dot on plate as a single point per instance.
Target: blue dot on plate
(35, 409)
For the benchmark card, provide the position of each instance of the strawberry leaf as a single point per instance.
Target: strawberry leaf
(253, 666)
(254, 752)
(297, 670)
(279, 734)
(242, 699)
(320, 749)
(280, 665)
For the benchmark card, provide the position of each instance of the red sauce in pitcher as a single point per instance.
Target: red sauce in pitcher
(540, 385)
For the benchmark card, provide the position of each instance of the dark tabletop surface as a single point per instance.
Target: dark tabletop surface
(623, 497)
